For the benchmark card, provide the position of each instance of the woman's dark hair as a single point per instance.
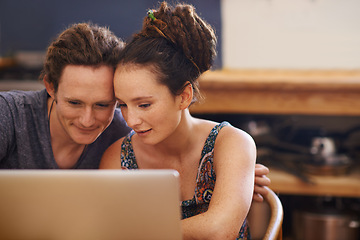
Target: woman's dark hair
(81, 44)
(177, 43)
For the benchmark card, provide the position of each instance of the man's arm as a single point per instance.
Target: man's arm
(6, 128)
(261, 180)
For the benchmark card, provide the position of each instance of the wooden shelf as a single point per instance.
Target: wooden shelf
(343, 185)
(280, 92)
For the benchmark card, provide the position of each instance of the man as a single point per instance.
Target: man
(70, 123)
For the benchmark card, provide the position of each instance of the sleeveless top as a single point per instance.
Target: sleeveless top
(205, 180)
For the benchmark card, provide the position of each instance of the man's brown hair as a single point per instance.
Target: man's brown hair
(81, 44)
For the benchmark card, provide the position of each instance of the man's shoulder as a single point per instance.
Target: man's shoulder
(23, 97)
(119, 122)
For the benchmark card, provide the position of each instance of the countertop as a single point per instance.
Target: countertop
(346, 185)
(320, 92)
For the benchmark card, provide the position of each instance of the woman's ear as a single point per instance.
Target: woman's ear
(186, 96)
(49, 87)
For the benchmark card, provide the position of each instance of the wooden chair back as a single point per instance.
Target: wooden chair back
(265, 219)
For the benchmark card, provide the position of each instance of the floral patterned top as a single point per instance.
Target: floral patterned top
(205, 180)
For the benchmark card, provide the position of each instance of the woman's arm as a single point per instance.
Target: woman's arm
(234, 163)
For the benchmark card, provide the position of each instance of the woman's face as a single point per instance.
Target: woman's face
(148, 107)
(85, 102)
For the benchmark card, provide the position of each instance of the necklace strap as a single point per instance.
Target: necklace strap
(52, 103)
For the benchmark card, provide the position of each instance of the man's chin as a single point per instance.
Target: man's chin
(86, 140)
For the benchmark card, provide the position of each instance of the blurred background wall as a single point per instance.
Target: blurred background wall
(252, 34)
(31, 25)
(297, 34)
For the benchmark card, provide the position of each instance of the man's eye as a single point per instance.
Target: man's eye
(103, 105)
(74, 103)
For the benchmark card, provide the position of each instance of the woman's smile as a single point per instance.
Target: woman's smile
(143, 133)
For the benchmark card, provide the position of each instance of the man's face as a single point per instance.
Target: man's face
(85, 103)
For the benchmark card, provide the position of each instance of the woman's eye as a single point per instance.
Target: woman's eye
(121, 105)
(144, 105)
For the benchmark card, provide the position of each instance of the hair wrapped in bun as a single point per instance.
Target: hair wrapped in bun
(177, 42)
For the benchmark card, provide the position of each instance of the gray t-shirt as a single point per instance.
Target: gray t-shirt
(25, 141)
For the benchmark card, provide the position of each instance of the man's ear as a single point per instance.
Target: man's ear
(49, 87)
(186, 96)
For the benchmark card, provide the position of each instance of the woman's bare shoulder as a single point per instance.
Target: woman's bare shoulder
(228, 132)
(236, 134)
(111, 157)
(235, 142)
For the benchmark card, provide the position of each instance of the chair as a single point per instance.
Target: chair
(265, 218)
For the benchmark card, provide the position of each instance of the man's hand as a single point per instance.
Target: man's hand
(261, 180)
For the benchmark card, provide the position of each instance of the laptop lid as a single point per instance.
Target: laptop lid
(89, 204)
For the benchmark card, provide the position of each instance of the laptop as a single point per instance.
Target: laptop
(89, 204)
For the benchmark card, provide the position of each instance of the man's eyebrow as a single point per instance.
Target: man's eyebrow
(97, 102)
(72, 99)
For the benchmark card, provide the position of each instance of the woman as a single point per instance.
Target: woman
(155, 83)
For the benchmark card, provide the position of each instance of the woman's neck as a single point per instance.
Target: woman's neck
(174, 146)
(181, 138)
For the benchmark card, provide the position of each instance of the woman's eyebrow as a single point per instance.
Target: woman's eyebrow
(141, 98)
(137, 98)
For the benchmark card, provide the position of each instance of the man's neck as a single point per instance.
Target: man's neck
(66, 152)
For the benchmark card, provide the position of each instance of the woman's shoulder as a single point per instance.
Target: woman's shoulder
(111, 157)
(227, 135)
(224, 129)
(231, 133)
(223, 132)
(233, 146)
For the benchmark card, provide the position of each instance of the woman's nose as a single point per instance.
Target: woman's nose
(132, 118)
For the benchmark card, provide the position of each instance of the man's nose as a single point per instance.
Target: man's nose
(87, 118)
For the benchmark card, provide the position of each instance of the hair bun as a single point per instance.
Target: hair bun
(186, 30)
